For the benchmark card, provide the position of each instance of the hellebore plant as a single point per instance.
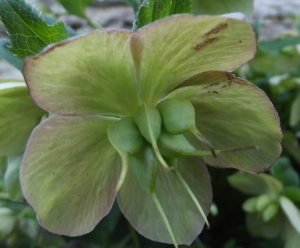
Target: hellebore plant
(137, 116)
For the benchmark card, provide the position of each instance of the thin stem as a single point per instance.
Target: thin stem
(208, 153)
(204, 140)
(191, 194)
(124, 169)
(159, 157)
(165, 219)
(11, 80)
(92, 23)
(134, 237)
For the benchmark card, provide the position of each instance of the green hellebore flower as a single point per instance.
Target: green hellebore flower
(72, 162)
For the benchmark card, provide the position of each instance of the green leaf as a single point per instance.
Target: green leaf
(8, 56)
(255, 184)
(27, 31)
(270, 211)
(258, 227)
(152, 10)
(134, 3)
(284, 172)
(263, 201)
(69, 173)
(295, 111)
(232, 113)
(275, 46)
(174, 199)
(293, 193)
(276, 64)
(291, 211)
(291, 236)
(291, 145)
(18, 116)
(197, 44)
(75, 7)
(249, 205)
(3, 165)
(217, 7)
(91, 74)
(7, 221)
(11, 177)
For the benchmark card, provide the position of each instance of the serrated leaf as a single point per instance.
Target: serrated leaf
(75, 7)
(295, 111)
(11, 177)
(8, 56)
(222, 6)
(152, 10)
(27, 31)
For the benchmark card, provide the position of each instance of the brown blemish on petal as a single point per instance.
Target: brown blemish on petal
(204, 43)
(217, 29)
(211, 85)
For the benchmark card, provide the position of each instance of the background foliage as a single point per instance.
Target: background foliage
(248, 210)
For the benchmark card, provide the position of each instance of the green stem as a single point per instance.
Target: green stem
(217, 152)
(124, 169)
(204, 140)
(164, 217)
(92, 23)
(191, 194)
(159, 156)
(11, 80)
(134, 237)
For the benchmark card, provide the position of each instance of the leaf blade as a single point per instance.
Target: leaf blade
(29, 34)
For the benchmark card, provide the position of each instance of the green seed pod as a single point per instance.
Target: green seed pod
(176, 146)
(262, 202)
(178, 116)
(270, 211)
(125, 137)
(149, 122)
(249, 205)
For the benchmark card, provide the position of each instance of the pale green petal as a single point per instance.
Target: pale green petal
(232, 113)
(18, 116)
(91, 74)
(185, 220)
(171, 50)
(69, 173)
